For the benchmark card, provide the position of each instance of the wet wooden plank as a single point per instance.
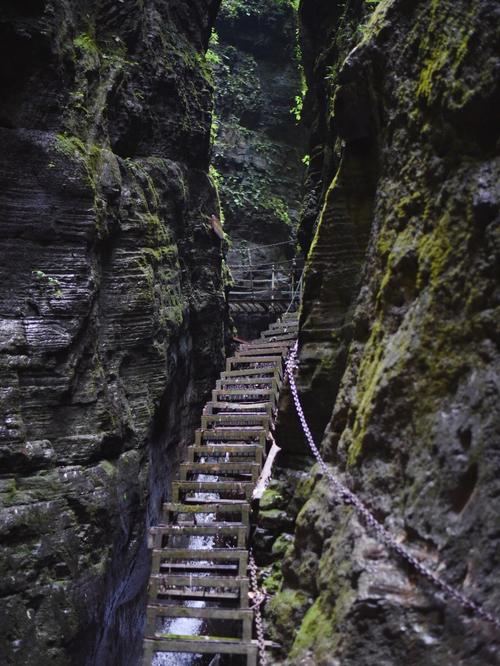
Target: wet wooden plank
(240, 420)
(275, 371)
(237, 407)
(244, 488)
(220, 469)
(231, 433)
(265, 358)
(242, 615)
(243, 452)
(239, 531)
(183, 580)
(201, 645)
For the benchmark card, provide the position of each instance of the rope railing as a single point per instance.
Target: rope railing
(277, 283)
(257, 248)
(383, 535)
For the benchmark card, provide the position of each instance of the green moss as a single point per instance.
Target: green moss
(107, 467)
(315, 632)
(271, 498)
(435, 251)
(71, 146)
(445, 46)
(370, 372)
(8, 492)
(86, 42)
(286, 610)
(282, 545)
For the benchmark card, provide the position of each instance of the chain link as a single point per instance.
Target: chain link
(258, 599)
(349, 498)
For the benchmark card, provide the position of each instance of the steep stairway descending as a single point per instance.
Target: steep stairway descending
(200, 549)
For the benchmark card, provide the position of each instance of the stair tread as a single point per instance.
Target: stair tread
(198, 554)
(172, 529)
(201, 580)
(201, 644)
(210, 612)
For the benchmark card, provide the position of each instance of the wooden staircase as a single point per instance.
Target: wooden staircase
(200, 549)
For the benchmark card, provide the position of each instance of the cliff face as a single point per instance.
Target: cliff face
(112, 307)
(398, 344)
(259, 145)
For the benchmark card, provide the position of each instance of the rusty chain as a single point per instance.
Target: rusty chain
(350, 499)
(258, 599)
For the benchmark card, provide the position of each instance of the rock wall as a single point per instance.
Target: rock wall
(112, 307)
(259, 143)
(399, 347)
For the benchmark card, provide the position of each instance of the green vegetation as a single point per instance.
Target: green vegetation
(71, 146)
(235, 8)
(52, 284)
(296, 109)
(86, 43)
(316, 627)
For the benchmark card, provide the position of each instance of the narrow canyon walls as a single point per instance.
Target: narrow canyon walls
(112, 307)
(399, 341)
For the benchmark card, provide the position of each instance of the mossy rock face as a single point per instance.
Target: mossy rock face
(259, 145)
(113, 322)
(398, 350)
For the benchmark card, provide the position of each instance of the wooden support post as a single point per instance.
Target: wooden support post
(251, 272)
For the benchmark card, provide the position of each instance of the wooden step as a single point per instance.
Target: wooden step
(246, 452)
(192, 555)
(270, 361)
(180, 586)
(239, 407)
(200, 567)
(199, 645)
(240, 420)
(236, 382)
(250, 394)
(244, 616)
(231, 433)
(200, 580)
(280, 336)
(245, 396)
(223, 468)
(276, 333)
(271, 371)
(172, 509)
(239, 531)
(274, 350)
(180, 594)
(225, 487)
(281, 323)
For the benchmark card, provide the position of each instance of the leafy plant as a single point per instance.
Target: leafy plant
(296, 109)
(47, 281)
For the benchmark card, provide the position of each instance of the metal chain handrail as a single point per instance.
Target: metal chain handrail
(349, 498)
(258, 599)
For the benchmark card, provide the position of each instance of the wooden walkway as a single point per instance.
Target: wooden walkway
(200, 549)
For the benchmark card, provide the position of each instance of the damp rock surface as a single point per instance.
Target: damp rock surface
(259, 143)
(399, 350)
(112, 308)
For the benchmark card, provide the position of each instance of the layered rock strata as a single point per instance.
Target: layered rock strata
(112, 307)
(399, 343)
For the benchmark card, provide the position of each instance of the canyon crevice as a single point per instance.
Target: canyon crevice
(127, 128)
